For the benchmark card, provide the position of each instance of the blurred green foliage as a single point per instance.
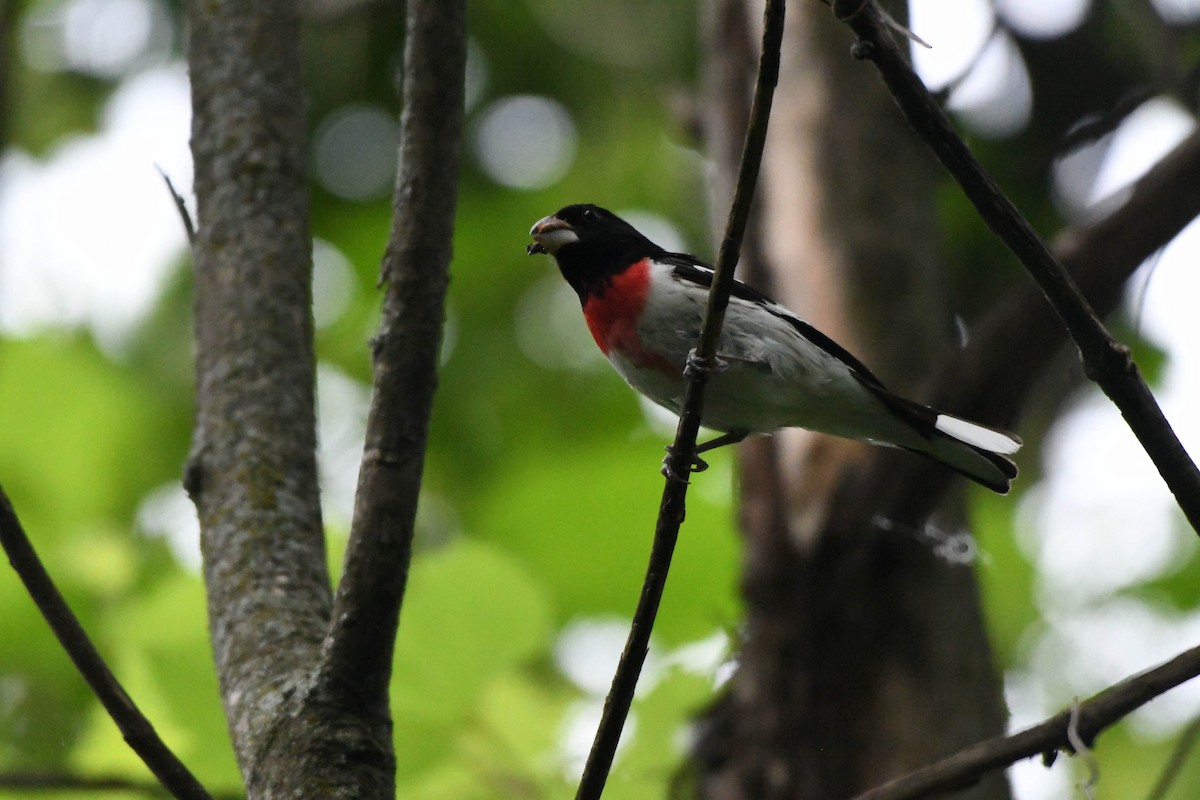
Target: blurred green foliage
(542, 479)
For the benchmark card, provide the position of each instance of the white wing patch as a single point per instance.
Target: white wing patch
(979, 436)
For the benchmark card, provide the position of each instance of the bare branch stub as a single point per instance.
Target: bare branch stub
(185, 217)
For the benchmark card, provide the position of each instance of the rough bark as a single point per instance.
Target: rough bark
(357, 656)
(304, 681)
(865, 653)
(252, 471)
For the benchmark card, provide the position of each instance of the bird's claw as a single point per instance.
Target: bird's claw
(698, 465)
(712, 366)
(669, 472)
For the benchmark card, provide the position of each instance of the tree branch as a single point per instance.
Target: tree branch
(180, 206)
(60, 782)
(1106, 361)
(1012, 344)
(1179, 758)
(135, 728)
(357, 656)
(1095, 714)
(252, 470)
(1020, 336)
(682, 453)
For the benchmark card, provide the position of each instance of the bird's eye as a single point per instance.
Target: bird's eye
(590, 215)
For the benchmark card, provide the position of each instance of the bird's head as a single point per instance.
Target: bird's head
(587, 233)
(591, 245)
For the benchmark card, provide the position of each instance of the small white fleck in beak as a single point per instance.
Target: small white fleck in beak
(549, 234)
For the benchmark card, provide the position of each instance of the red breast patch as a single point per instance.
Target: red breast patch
(612, 316)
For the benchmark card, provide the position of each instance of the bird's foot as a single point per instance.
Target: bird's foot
(698, 465)
(710, 366)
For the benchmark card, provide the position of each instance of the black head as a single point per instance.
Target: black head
(590, 244)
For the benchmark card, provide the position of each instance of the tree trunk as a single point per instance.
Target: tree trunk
(865, 653)
(252, 471)
(304, 679)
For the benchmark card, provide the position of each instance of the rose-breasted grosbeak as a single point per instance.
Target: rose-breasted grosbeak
(644, 307)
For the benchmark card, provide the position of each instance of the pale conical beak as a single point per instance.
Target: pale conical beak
(549, 234)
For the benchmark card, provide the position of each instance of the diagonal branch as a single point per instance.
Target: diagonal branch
(134, 727)
(92, 784)
(1015, 341)
(682, 453)
(1175, 764)
(1093, 715)
(356, 658)
(1011, 345)
(1105, 361)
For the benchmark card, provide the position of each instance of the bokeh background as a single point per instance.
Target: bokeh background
(541, 484)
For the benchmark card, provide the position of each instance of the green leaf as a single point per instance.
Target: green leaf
(659, 746)
(165, 663)
(80, 438)
(470, 613)
(1006, 576)
(583, 518)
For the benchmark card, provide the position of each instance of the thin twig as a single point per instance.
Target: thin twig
(134, 727)
(1012, 344)
(1095, 714)
(1106, 361)
(1179, 757)
(682, 453)
(66, 782)
(180, 206)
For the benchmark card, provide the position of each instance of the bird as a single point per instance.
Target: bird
(644, 307)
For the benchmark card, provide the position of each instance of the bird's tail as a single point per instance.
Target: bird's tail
(974, 450)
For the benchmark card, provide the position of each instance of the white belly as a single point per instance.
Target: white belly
(773, 376)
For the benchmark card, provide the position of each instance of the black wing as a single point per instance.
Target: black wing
(689, 268)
